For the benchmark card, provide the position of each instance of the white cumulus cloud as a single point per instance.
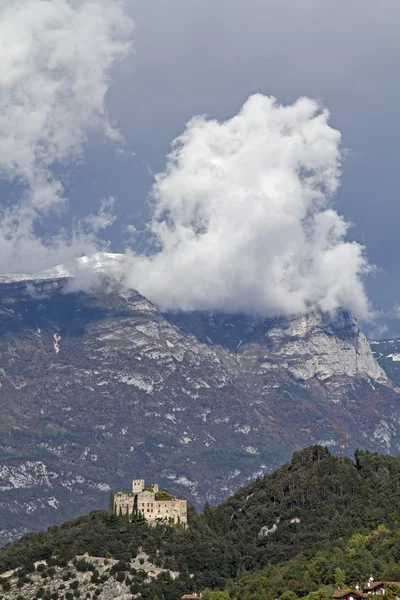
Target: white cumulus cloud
(243, 217)
(55, 63)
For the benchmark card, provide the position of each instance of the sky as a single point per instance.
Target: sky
(94, 93)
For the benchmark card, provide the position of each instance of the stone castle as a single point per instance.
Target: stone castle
(151, 503)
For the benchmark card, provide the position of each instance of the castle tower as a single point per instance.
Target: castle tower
(137, 486)
(142, 501)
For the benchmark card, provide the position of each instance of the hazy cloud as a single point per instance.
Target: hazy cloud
(55, 62)
(243, 221)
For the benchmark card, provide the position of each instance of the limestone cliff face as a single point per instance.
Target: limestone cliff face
(320, 346)
(95, 388)
(323, 346)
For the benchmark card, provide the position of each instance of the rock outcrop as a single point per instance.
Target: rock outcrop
(100, 581)
(324, 346)
(97, 387)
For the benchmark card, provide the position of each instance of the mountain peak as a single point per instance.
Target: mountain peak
(97, 386)
(101, 262)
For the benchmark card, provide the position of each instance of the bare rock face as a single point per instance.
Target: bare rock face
(322, 346)
(97, 389)
(316, 345)
(60, 578)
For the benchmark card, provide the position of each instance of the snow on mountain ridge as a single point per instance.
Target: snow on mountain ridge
(105, 379)
(313, 345)
(83, 272)
(101, 262)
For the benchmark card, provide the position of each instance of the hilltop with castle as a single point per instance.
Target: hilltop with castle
(149, 503)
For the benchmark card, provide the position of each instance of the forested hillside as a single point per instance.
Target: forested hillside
(315, 500)
(315, 523)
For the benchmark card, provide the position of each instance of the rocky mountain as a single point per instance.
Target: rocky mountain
(387, 354)
(97, 388)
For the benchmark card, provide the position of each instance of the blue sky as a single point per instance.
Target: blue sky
(206, 58)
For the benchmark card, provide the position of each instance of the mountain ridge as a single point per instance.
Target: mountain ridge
(97, 387)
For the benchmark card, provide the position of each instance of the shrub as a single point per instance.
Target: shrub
(20, 583)
(121, 565)
(58, 562)
(163, 495)
(29, 568)
(83, 565)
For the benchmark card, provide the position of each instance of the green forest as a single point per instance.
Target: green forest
(315, 524)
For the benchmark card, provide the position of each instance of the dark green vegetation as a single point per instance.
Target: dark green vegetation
(332, 500)
(163, 495)
(315, 523)
(200, 402)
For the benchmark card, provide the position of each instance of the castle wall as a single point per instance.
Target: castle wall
(166, 510)
(124, 503)
(144, 502)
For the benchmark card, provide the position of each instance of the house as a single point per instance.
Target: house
(377, 588)
(374, 587)
(348, 594)
(370, 587)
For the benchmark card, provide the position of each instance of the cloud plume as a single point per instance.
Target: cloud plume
(243, 218)
(242, 214)
(55, 62)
